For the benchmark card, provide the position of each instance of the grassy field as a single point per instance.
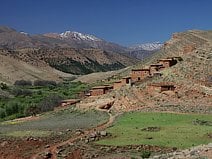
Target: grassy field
(162, 129)
(54, 122)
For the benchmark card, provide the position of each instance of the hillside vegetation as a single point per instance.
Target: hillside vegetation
(25, 100)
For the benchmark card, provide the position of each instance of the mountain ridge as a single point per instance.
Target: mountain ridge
(147, 46)
(12, 39)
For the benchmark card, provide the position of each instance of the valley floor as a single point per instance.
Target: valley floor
(71, 133)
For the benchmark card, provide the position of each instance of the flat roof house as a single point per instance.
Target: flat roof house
(155, 68)
(160, 87)
(117, 85)
(168, 62)
(100, 90)
(139, 74)
(125, 81)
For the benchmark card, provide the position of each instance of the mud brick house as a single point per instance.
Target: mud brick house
(100, 90)
(139, 74)
(168, 62)
(83, 94)
(160, 87)
(155, 68)
(125, 81)
(117, 85)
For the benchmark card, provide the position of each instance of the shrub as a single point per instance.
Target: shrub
(23, 83)
(3, 86)
(32, 110)
(21, 92)
(145, 154)
(48, 103)
(2, 113)
(4, 95)
(11, 108)
(39, 92)
(44, 83)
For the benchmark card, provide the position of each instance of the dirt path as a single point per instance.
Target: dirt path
(53, 148)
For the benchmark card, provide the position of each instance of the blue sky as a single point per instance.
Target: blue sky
(122, 21)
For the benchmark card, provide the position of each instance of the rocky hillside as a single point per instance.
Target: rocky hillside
(191, 77)
(49, 63)
(12, 39)
(74, 61)
(12, 69)
(195, 49)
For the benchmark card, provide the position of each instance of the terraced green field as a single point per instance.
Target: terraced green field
(162, 129)
(53, 122)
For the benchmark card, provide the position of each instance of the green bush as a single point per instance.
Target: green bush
(4, 95)
(23, 83)
(2, 113)
(145, 154)
(21, 92)
(44, 83)
(32, 110)
(48, 103)
(11, 108)
(19, 101)
(3, 86)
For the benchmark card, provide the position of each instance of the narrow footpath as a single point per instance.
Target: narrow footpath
(53, 148)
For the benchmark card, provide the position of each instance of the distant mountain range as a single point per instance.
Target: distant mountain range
(147, 46)
(12, 39)
(141, 51)
(55, 56)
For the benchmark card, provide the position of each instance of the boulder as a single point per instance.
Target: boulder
(47, 155)
(3, 144)
(47, 146)
(103, 133)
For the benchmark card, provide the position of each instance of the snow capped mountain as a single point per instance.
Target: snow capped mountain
(147, 46)
(78, 36)
(24, 33)
(141, 51)
(80, 40)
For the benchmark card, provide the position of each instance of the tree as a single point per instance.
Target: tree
(23, 83)
(2, 113)
(145, 154)
(11, 108)
(44, 83)
(48, 103)
(3, 86)
(21, 92)
(32, 110)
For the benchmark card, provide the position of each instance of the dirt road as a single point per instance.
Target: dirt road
(53, 148)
